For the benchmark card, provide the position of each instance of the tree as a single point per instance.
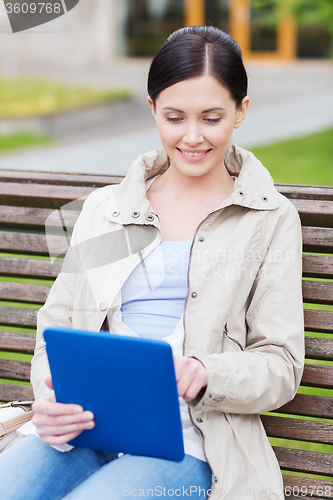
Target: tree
(304, 11)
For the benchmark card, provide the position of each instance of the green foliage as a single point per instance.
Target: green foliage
(304, 11)
(22, 140)
(22, 97)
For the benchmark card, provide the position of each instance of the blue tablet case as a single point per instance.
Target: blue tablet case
(127, 382)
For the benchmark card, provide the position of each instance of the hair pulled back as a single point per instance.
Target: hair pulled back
(195, 51)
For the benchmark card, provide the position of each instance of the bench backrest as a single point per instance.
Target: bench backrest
(28, 198)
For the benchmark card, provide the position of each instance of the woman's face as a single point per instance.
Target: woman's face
(195, 120)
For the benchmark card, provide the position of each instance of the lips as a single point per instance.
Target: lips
(193, 154)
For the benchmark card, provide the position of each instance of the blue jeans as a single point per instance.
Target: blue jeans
(33, 470)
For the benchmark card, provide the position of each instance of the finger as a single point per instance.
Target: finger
(60, 440)
(64, 430)
(52, 408)
(42, 419)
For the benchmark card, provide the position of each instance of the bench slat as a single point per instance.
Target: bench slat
(315, 212)
(33, 218)
(303, 191)
(318, 376)
(15, 370)
(31, 243)
(18, 317)
(59, 178)
(40, 195)
(302, 430)
(318, 321)
(304, 461)
(316, 348)
(317, 239)
(29, 268)
(318, 292)
(14, 392)
(313, 488)
(17, 342)
(308, 406)
(318, 266)
(23, 292)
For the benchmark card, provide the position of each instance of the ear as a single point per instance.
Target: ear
(151, 104)
(242, 111)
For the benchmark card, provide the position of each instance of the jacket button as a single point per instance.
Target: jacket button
(194, 294)
(201, 239)
(115, 213)
(103, 306)
(136, 214)
(150, 218)
(240, 193)
(199, 420)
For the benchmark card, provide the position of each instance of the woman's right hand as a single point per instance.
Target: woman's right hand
(58, 423)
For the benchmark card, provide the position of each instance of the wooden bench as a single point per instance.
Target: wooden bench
(28, 198)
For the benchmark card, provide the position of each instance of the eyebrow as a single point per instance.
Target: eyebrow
(204, 111)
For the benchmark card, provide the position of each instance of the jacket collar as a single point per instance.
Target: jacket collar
(254, 186)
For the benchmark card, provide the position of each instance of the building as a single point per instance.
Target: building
(97, 32)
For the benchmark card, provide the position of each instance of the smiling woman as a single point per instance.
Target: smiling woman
(219, 279)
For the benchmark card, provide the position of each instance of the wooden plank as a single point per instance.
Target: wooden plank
(308, 406)
(318, 213)
(312, 488)
(17, 342)
(18, 317)
(317, 292)
(304, 461)
(302, 430)
(29, 268)
(31, 243)
(316, 348)
(40, 195)
(318, 266)
(14, 392)
(303, 191)
(317, 239)
(318, 376)
(15, 370)
(23, 292)
(30, 218)
(59, 178)
(318, 321)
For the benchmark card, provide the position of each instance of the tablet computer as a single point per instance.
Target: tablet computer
(127, 382)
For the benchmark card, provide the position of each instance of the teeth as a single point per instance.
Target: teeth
(194, 154)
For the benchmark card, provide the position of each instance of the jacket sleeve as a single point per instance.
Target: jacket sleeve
(56, 311)
(267, 373)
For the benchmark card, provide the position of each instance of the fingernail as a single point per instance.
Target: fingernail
(78, 409)
(88, 415)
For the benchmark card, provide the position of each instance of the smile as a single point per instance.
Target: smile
(193, 155)
(187, 153)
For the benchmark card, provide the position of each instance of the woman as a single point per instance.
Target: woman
(212, 264)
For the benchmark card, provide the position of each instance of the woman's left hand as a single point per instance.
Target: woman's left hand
(191, 376)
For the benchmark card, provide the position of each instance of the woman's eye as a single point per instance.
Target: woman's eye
(173, 120)
(213, 120)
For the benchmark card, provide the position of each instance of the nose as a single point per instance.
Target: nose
(193, 134)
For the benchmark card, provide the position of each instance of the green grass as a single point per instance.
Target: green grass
(306, 160)
(22, 140)
(23, 97)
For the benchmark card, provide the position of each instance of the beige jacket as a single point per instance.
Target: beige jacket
(243, 317)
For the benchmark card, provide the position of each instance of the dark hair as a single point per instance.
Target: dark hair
(195, 51)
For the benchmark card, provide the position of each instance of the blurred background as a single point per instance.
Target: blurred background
(73, 91)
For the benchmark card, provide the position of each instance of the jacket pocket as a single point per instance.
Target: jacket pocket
(229, 343)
